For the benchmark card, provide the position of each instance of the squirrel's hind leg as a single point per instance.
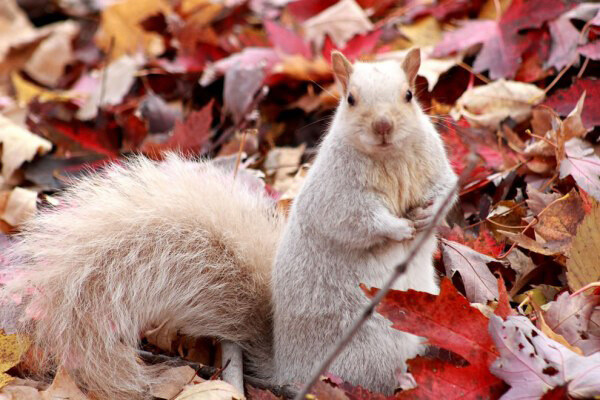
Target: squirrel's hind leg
(234, 373)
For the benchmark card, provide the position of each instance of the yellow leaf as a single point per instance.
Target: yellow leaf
(425, 32)
(27, 91)
(121, 32)
(12, 348)
(583, 265)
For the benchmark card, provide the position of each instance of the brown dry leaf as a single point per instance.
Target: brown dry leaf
(583, 264)
(173, 381)
(48, 61)
(120, 31)
(505, 214)
(285, 201)
(490, 8)
(487, 105)
(12, 348)
(523, 265)
(63, 387)
(281, 166)
(210, 390)
(18, 146)
(558, 224)
(340, 22)
(530, 244)
(20, 206)
(164, 336)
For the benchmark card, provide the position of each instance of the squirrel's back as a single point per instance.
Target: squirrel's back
(142, 244)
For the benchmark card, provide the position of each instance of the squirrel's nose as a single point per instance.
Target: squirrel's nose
(382, 126)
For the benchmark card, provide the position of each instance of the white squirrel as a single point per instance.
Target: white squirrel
(185, 244)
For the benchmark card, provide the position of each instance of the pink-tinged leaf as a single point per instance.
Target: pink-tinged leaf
(570, 316)
(564, 101)
(241, 86)
(468, 34)
(503, 45)
(564, 43)
(532, 364)
(250, 57)
(286, 41)
(591, 50)
(480, 284)
(583, 165)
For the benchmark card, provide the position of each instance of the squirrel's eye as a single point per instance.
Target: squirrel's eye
(351, 100)
(408, 96)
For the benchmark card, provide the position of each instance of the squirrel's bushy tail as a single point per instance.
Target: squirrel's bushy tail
(142, 244)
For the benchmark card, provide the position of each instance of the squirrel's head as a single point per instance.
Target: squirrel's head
(378, 103)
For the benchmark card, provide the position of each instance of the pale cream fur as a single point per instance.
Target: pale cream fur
(139, 245)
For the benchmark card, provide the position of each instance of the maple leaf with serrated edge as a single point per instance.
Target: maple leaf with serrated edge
(564, 101)
(502, 42)
(447, 321)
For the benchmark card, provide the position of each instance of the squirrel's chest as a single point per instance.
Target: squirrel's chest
(401, 185)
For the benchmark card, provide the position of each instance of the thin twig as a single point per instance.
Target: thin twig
(370, 308)
(206, 371)
(583, 67)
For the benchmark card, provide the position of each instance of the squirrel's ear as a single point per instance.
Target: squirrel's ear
(411, 65)
(341, 69)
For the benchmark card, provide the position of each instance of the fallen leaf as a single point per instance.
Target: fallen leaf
(570, 316)
(20, 206)
(121, 32)
(523, 265)
(488, 105)
(480, 283)
(502, 43)
(286, 41)
(281, 166)
(27, 91)
(424, 32)
(447, 321)
(172, 382)
(557, 225)
(583, 264)
(189, 137)
(47, 63)
(533, 364)
(15, 27)
(563, 101)
(18, 146)
(503, 308)
(583, 165)
(590, 50)
(210, 390)
(115, 81)
(241, 87)
(12, 348)
(63, 387)
(340, 22)
(564, 43)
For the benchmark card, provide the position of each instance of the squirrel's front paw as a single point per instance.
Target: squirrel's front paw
(404, 231)
(422, 216)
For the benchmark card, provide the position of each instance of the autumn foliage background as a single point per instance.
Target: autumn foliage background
(511, 85)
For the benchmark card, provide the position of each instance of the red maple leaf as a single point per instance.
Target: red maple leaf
(447, 321)
(357, 46)
(189, 137)
(483, 242)
(503, 45)
(563, 101)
